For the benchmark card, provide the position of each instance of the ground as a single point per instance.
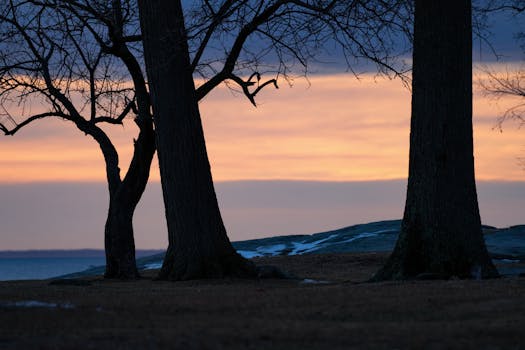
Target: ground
(269, 314)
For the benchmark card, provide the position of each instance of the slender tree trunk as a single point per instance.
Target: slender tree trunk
(123, 199)
(119, 240)
(441, 231)
(124, 195)
(198, 244)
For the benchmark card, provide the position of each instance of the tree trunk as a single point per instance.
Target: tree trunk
(124, 197)
(198, 244)
(119, 241)
(441, 231)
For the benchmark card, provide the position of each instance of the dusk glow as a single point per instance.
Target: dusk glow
(336, 129)
(336, 132)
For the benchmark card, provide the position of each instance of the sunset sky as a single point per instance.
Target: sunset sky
(347, 137)
(330, 128)
(329, 152)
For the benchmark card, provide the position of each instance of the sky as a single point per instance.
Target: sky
(325, 153)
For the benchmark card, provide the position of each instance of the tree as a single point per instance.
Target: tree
(441, 229)
(73, 57)
(198, 244)
(294, 31)
(80, 56)
(508, 83)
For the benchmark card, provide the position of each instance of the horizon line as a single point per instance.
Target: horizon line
(155, 181)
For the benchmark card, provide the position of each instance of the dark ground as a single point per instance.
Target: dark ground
(269, 314)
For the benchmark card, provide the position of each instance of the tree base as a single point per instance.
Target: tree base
(232, 265)
(128, 274)
(395, 270)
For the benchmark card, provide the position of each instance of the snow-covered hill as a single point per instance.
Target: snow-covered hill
(507, 246)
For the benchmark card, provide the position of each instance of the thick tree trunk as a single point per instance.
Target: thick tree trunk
(441, 231)
(198, 244)
(124, 197)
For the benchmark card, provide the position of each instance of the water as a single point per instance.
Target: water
(43, 268)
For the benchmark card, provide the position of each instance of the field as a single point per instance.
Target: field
(328, 308)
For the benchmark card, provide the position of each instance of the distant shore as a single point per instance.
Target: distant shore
(43, 264)
(68, 253)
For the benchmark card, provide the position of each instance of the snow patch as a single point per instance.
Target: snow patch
(306, 247)
(271, 250)
(152, 266)
(384, 231)
(311, 281)
(360, 236)
(37, 304)
(507, 261)
(248, 254)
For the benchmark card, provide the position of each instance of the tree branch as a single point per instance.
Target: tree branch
(236, 48)
(130, 107)
(246, 84)
(29, 120)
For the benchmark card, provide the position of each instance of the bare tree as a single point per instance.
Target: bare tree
(508, 83)
(175, 47)
(80, 56)
(73, 58)
(441, 230)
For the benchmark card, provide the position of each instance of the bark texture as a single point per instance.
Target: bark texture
(441, 231)
(198, 244)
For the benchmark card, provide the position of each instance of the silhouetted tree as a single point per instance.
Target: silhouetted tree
(293, 31)
(72, 57)
(198, 245)
(79, 57)
(510, 82)
(441, 229)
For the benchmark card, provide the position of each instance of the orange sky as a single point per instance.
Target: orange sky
(335, 132)
(336, 129)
